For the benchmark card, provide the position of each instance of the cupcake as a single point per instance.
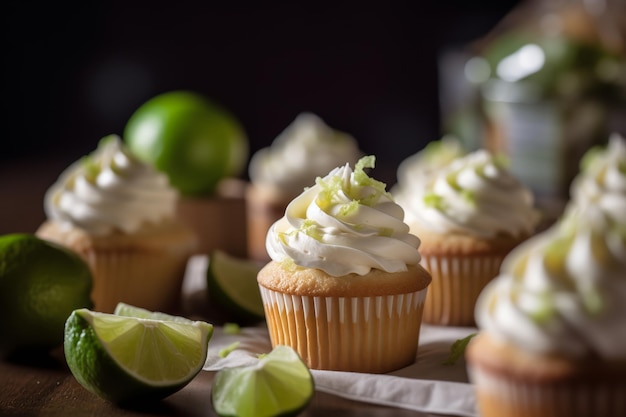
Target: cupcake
(552, 339)
(344, 287)
(119, 215)
(469, 214)
(306, 149)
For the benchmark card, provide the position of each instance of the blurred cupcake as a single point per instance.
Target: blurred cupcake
(469, 215)
(552, 339)
(415, 169)
(344, 287)
(306, 149)
(119, 215)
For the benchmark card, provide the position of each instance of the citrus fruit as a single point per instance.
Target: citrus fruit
(129, 359)
(279, 384)
(41, 283)
(232, 283)
(192, 139)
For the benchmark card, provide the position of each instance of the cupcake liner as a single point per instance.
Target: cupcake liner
(499, 395)
(219, 222)
(152, 280)
(361, 334)
(457, 282)
(263, 209)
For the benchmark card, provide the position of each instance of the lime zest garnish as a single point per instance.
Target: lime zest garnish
(452, 181)
(231, 328)
(311, 229)
(469, 196)
(591, 156)
(348, 209)
(90, 167)
(457, 349)
(435, 201)
(364, 180)
(225, 351)
(385, 231)
(593, 302)
(545, 311)
(501, 160)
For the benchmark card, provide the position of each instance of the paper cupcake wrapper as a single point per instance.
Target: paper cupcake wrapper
(456, 284)
(152, 280)
(361, 334)
(218, 222)
(498, 396)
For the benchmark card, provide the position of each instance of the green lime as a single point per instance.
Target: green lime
(41, 283)
(128, 359)
(279, 384)
(192, 139)
(232, 283)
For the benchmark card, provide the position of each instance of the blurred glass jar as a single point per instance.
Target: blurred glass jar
(553, 84)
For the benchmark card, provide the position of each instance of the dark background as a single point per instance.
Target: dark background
(73, 74)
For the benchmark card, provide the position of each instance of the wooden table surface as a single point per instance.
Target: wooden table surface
(47, 388)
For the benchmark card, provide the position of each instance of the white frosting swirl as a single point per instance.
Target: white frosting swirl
(602, 181)
(474, 194)
(415, 169)
(346, 223)
(306, 149)
(564, 291)
(110, 190)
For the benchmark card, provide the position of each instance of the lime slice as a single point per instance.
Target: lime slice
(279, 384)
(232, 283)
(127, 359)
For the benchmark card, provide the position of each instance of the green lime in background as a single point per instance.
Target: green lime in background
(192, 139)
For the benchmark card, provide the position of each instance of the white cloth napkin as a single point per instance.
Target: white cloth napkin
(427, 386)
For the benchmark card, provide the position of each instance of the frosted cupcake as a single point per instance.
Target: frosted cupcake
(552, 338)
(119, 215)
(469, 215)
(306, 149)
(344, 287)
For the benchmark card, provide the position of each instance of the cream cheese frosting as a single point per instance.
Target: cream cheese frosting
(474, 194)
(306, 149)
(346, 223)
(602, 181)
(110, 190)
(415, 169)
(564, 291)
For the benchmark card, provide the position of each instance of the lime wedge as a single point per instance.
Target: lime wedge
(279, 384)
(232, 283)
(128, 359)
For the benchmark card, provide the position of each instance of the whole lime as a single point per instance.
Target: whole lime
(41, 283)
(192, 139)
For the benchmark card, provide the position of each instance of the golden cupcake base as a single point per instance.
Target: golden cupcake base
(375, 334)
